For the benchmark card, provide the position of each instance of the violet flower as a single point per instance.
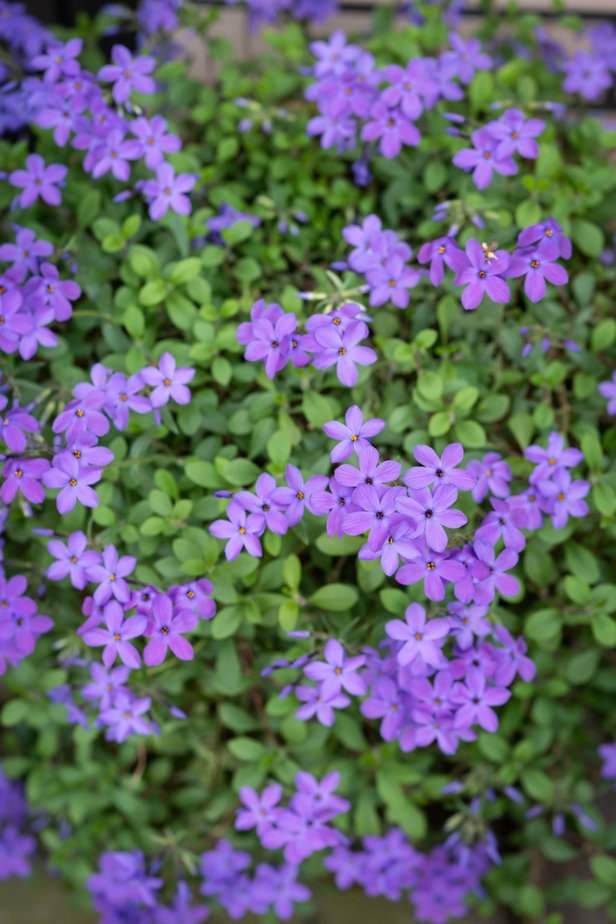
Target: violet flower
(116, 635)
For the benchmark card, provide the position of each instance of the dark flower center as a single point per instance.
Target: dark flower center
(430, 566)
(428, 514)
(482, 274)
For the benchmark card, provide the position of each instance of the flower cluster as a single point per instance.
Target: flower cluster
(16, 846)
(77, 465)
(270, 11)
(91, 111)
(32, 294)
(483, 269)
(495, 144)
(356, 99)
(438, 883)
(382, 257)
(333, 339)
(24, 37)
(300, 829)
(589, 72)
(20, 622)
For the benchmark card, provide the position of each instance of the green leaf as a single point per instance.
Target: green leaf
(246, 749)
(439, 424)
(527, 213)
(604, 499)
(184, 271)
(226, 622)
(14, 712)
(241, 472)
(604, 630)
(470, 434)
(604, 869)
(587, 237)
(522, 427)
(603, 335)
(538, 785)
(335, 597)
(153, 292)
(279, 448)
(292, 572)
(543, 625)
(430, 385)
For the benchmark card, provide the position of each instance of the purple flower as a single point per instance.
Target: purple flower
(271, 342)
(419, 638)
(154, 140)
(440, 253)
(74, 481)
(492, 474)
(398, 543)
(38, 179)
(115, 637)
(24, 475)
(490, 572)
(264, 503)
(476, 700)
(352, 434)
(504, 522)
(128, 73)
(409, 87)
(377, 512)
(431, 513)
(608, 390)
(441, 470)
(241, 529)
(25, 253)
(333, 56)
(342, 349)
(431, 567)
(483, 160)
(297, 497)
(82, 415)
(14, 424)
(260, 810)
(59, 61)
(105, 685)
(319, 704)
(565, 498)
(547, 461)
(483, 276)
(512, 659)
(166, 628)
(466, 57)
(167, 381)
(391, 128)
(371, 470)
(336, 502)
(549, 230)
(16, 849)
(168, 191)
(538, 264)
(608, 755)
(72, 559)
(84, 447)
(391, 281)
(55, 292)
(125, 716)
(109, 574)
(337, 672)
(112, 154)
(384, 703)
(14, 320)
(516, 135)
(586, 74)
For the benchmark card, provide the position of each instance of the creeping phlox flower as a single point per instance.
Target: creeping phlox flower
(16, 845)
(382, 257)
(20, 623)
(484, 270)
(358, 101)
(269, 11)
(78, 107)
(439, 677)
(608, 390)
(32, 295)
(78, 465)
(495, 144)
(333, 339)
(119, 612)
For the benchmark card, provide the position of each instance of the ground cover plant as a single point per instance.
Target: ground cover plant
(307, 483)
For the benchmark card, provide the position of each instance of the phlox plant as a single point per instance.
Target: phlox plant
(307, 482)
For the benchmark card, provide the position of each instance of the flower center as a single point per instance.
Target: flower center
(116, 636)
(265, 507)
(79, 412)
(428, 514)
(73, 482)
(338, 671)
(441, 249)
(167, 191)
(560, 497)
(300, 495)
(74, 559)
(418, 636)
(336, 321)
(242, 531)
(342, 351)
(167, 382)
(482, 274)
(123, 397)
(430, 566)
(19, 472)
(165, 630)
(77, 453)
(534, 263)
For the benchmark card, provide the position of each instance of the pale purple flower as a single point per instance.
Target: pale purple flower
(241, 529)
(492, 475)
(466, 57)
(419, 637)
(321, 705)
(549, 230)
(82, 415)
(433, 569)
(167, 381)
(297, 497)
(73, 559)
(391, 281)
(441, 470)
(260, 810)
(59, 60)
(483, 276)
(608, 390)
(476, 700)
(352, 434)
(565, 498)
(14, 425)
(271, 342)
(377, 511)
(391, 128)
(440, 253)
(431, 513)
(38, 180)
(337, 672)
(537, 264)
(116, 635)
(370, 469)
(264, 503)
(166, 628)
(128, 73)
(342, 349)
(24, 476)
(154, 139)
(483, 159)
(105, 685)
(26, 252)
(125, 717)
(109, 574)
(490, 572)
(168, 191)
(74, 482)
(555, 456)
(516, 135)
(505, 521)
